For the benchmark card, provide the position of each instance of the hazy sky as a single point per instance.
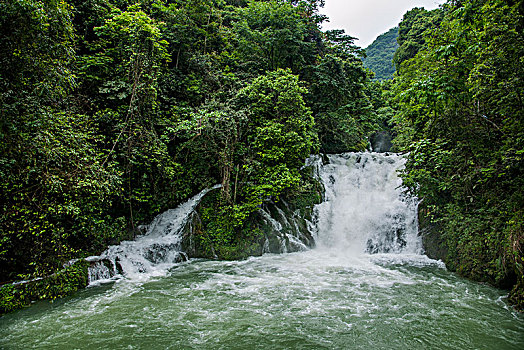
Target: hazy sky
(367, 19)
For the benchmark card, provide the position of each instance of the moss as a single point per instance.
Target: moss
(216, 232)
(432, 240)
(516, 296)
(58, 285)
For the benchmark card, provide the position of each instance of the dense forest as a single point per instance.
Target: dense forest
(113, 111)
(459, 113)
(379, 55)
(116, 110)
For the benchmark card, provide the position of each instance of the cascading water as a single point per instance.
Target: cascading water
(365, 286)
(365, 209)
(153, 253)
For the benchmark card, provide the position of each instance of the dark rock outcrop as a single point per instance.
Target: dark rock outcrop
(431, 233)
(381, 142)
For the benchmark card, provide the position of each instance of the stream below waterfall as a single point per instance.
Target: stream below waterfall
(367, 285)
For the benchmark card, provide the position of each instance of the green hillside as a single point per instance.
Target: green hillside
(380, 55)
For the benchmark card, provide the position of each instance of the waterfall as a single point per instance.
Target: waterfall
(283, 227)
(365, 210)
(149, 254)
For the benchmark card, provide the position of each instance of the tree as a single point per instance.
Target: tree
(412, 30)
(115, 110)
(379, 55)
(273, 35)
(461, 111)
(53, 189)
(337, 97)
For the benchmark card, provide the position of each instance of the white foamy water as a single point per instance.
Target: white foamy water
(365, 209)
(366, 286)
(151, 254)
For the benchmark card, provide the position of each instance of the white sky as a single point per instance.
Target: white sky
(367, 19)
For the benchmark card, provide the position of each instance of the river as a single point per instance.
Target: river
(367, 285)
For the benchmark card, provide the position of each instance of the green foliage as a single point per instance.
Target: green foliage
(271, 36)
(307, 194)
(224, 232)
(36, 48)
(61, 284)
(260, 148)
(281, 134)
(54, 207)
(131, 52)
(461, 118)
(343, 112)
(385, 106)
(230, 232)
(113, 111)
(415, 24)
(379, 55)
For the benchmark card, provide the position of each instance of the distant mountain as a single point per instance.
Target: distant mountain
(380, 55)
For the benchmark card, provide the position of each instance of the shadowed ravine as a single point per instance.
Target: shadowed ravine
(367, 285)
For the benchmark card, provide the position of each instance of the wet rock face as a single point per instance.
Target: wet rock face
(282, 226)
(381, 142)
(432, 240)
(286, 228)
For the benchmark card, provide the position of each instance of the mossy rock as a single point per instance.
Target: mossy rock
(207, 235)
(516, 296)
(431, 233)
(58, 285)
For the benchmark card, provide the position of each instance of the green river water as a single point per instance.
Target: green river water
(306, 300)
(335, 296)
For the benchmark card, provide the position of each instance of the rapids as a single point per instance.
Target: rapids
(367, 285)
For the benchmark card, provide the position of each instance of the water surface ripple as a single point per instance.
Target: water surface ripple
(337, 296)
(306, 300)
